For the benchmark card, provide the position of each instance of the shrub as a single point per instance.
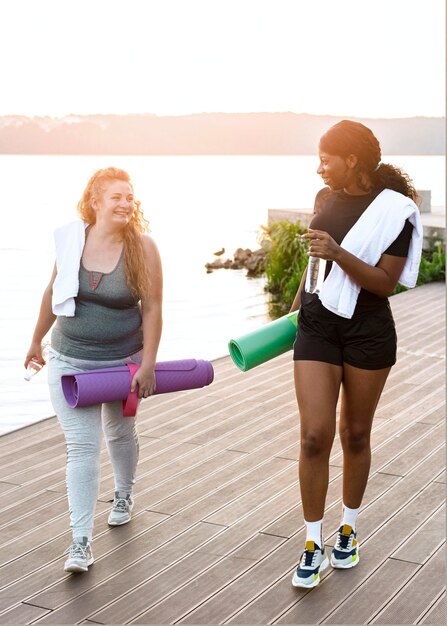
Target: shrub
(432, 267)
(286, 259)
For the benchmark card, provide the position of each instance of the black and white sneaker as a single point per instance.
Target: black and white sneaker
(345, 553)
(312, 562)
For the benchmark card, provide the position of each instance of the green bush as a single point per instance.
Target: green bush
(432, 267)
(286, 259)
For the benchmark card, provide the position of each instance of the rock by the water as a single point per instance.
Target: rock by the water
(253, 261)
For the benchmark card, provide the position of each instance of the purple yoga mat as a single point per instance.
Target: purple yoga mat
(113, 383)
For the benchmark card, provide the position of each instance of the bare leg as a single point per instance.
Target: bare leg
(361, 392)
(317, 387)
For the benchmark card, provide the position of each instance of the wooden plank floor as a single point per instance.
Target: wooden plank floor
(217, 527)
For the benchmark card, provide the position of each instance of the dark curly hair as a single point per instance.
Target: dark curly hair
(348, 137)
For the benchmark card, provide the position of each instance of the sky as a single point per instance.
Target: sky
(359, 58)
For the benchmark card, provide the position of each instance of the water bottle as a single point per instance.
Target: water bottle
(316, 270)
(34, 367)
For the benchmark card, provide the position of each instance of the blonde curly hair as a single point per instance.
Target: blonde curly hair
(137, 273)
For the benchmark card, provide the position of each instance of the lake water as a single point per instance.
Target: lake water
(195, 205)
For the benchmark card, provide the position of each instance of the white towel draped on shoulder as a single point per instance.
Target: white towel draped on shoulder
(375, 230)
(70, 241)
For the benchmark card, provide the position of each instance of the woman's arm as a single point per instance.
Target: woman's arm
(151, 311)
(297, 300)
(44, 322)
(380, 280)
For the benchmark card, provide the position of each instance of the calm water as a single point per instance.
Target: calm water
(195, 205)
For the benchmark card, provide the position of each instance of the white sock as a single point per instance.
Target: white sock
(313, 532)
(350, 516)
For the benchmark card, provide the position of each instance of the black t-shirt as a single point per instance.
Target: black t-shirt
(336, 212)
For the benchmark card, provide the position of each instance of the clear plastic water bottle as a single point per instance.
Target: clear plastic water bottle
(316, 270)
(34, 367)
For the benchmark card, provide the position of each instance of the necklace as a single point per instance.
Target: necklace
(94, 281)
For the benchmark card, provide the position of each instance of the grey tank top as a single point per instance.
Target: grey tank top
(107, 323)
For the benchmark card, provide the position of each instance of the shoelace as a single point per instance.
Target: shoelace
(344, 542)
(121, 505)
(308, 558)
(77, 550)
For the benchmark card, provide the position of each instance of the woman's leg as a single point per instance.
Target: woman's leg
(361, 392)
(82, 431)
(122, 443)
(317, 386)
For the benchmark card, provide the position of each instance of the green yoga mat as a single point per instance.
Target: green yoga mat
(264, 343)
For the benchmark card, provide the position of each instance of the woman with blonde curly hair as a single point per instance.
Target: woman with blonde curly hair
(105, 295)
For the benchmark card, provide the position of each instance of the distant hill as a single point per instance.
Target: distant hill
(205, 133)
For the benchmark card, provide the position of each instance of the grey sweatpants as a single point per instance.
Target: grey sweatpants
(83, 429)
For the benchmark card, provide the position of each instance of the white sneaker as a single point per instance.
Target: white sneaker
(121, 509)
(80, 556)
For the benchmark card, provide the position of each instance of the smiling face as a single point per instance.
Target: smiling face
(336, 172)
(115, 205)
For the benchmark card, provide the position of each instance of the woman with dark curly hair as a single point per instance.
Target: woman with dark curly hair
(366, 236)
(105, 296)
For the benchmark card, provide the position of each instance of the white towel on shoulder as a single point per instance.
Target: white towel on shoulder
(375, 230)
(70, 241)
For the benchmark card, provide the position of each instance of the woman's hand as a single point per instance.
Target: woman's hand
(380, 279)
(34, 354)
(321, 245)
(145, 379)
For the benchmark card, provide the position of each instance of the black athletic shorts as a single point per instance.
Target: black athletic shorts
(367, 341)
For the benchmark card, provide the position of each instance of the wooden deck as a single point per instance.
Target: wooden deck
(217, 527)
